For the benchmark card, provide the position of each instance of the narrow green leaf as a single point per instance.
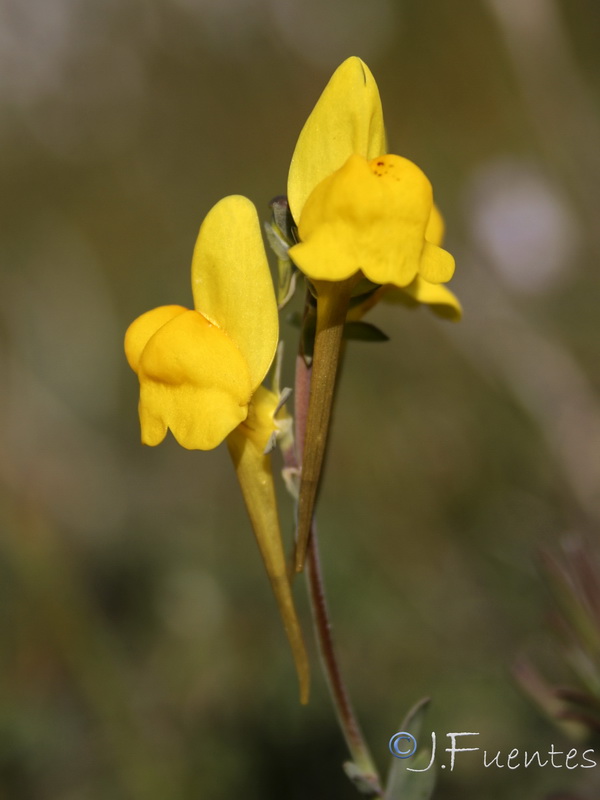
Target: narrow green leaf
(405, 785)
(401, 783)
(364, 332)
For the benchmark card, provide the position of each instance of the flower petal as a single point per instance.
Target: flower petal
(371, 217)
(441, 300)
(141, 329)
(347, 119)
(232, 283)
(436, 227)
(194, 381)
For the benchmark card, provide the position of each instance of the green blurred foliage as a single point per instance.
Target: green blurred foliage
(141, 651)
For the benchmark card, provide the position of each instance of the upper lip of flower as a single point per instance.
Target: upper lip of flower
(347, 120)
(199, 369)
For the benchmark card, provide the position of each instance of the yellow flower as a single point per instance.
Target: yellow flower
(199, 369)
(357, 208)
(200, 374)
(361, 213)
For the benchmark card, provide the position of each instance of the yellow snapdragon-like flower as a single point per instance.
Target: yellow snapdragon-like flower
(199, 369)
(358, 208)
(360, 213)
(200, 374)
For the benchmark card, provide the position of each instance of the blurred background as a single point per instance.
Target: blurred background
(141, 652)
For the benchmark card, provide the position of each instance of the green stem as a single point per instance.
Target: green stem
(347, 719)
(333, 301)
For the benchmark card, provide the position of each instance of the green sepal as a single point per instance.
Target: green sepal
(280, 233)
(276, 241)
(282, 219)
(355, 331)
